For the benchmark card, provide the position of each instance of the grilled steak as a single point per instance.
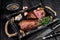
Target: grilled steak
(39, 13)
(28, 24)
(31, 15)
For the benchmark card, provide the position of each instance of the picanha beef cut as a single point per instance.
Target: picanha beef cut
(31, 15)
(40, 13)
(28, 24)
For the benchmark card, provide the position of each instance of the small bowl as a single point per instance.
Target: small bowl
(12, 7)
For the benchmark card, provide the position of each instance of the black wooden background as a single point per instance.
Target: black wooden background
(55, 4)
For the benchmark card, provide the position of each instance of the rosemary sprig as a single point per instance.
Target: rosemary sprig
(44, 20)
